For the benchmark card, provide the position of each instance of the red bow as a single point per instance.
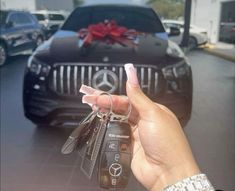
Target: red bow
(110, 32)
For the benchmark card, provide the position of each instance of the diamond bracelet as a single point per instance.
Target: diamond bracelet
(197, 182)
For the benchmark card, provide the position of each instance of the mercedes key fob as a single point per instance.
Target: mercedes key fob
(115, 157)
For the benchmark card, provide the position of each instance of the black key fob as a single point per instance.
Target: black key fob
(115, 157)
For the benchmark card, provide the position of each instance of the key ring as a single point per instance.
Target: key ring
(99, 113)
(117, 117)
(114, 116)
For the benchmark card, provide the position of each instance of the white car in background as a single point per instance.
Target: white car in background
(197, 35)
(50, 20)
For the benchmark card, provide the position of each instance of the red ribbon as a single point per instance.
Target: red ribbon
(110, 32)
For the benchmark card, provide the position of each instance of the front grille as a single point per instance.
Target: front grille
(66, 79)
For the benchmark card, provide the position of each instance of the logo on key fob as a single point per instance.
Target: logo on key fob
(115, 169)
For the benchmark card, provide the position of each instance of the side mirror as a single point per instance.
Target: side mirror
(9, 24)
(174, 31)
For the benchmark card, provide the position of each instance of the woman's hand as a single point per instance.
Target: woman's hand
(161, 153)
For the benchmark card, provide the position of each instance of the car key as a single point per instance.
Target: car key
(92, 141)
(116, 155)
(93, 147)
(77, 135)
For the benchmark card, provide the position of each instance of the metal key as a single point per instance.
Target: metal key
(92, 140)
(93, 147)
(78, 133)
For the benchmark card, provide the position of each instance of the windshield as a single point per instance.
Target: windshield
(138, 18)
(56, 17)
(3, 16)
(40, 17)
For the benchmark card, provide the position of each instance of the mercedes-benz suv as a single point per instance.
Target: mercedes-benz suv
(84, 52)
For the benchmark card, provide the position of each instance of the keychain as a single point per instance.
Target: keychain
(104, 136)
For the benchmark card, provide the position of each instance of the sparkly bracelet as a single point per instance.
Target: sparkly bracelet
(197, 182)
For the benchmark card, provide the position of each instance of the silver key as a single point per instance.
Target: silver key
(93, 147)
(92, 141)
(72, 142)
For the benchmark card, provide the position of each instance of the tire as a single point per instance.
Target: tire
(192, 43)
(3, 54)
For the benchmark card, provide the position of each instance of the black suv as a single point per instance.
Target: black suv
(19, 32)
(57, 69)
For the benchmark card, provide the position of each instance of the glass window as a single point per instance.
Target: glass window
(20, 19)
(167, 25)
(140, 19)
(56, 17)
(40, 17)
(79, 19)
(3, 16)
(24, 19)
(180, 26)
(14, 19)
(228, 13)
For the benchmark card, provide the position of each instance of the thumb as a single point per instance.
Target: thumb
(137, 98)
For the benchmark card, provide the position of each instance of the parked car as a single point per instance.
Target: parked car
(20, 32)
(227, 32)
(197, 35)
(62, 64)
(50, 20)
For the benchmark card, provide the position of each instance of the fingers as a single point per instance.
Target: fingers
(119, 104)
(87, 90)
(137, 98)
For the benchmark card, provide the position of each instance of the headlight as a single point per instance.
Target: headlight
(168, 73)
(33, 65)
(45, 70)
(174, 50)
(37, 67)
(178, 70)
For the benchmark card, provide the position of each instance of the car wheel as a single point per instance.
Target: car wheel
(39, 41)
(192, 43)
(3, 54)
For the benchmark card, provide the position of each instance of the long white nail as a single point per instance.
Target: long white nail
(87, 90)
(85, 101)
(131, 74)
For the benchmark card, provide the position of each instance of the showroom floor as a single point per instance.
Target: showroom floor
(31, 159)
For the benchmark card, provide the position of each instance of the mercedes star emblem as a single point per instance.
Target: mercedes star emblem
(105, 80)
(115, 169)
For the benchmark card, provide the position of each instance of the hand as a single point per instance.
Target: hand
(161, 153)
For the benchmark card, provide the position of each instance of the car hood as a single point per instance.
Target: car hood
(65, 46)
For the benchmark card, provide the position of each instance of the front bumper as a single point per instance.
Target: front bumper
(45, 109)
(202, 39)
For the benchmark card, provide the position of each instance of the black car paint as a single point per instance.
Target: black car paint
(19, 38)
(46, 106)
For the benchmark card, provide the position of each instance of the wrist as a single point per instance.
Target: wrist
(175, 174)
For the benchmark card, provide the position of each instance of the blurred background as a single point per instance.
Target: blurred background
(30, 156)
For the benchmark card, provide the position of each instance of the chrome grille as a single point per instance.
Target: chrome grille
(66, 79)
